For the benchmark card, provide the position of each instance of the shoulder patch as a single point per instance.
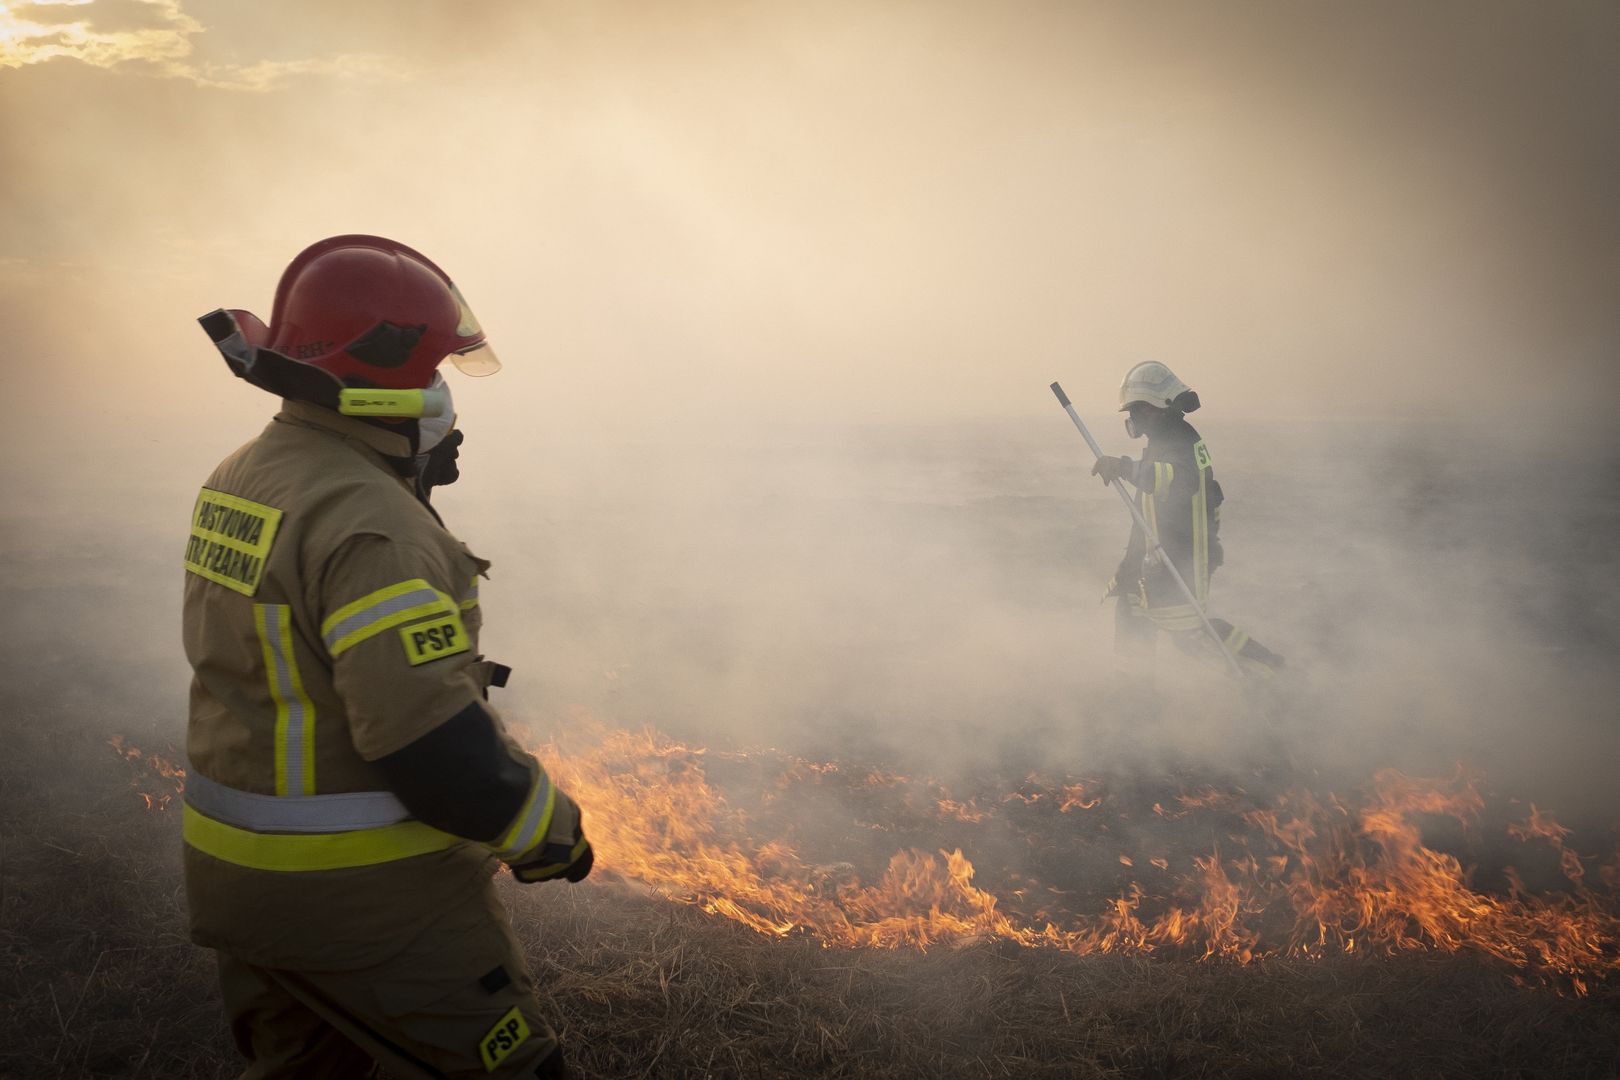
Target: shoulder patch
(1201, 454)
(442, 635)
(509, 1033)
(230, 540)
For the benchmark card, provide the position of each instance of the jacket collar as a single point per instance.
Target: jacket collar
(385, 443)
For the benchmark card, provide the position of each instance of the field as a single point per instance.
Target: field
(893, 652)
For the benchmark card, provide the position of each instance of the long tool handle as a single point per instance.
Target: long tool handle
(1141, 523)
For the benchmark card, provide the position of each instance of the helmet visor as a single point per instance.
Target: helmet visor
(476, 360)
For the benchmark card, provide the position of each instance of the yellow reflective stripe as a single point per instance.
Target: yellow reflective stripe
(1200, 538)
(1175, 617)
(370, 600)
(1164, 474)
(472, 597)
(312, 851)
(557, 868)
(1236, 640)
(531, 823)
(275, 696)
(295, 713)
(386, 608)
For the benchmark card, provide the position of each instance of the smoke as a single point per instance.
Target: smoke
(780, 289)
(929, 597)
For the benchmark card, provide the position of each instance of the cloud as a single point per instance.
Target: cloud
(152, 37)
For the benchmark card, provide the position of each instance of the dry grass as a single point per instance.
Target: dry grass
(644, 988)
(99, 980)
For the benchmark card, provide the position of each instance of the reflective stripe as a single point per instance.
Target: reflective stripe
(1164, 474)
(472, 597)
(1175, 617)
(532, 821)
(295, 713)
(1236, 640)
(312, 851)
(293, 813)
(565, 859)
(385, 608)
(1200, 538)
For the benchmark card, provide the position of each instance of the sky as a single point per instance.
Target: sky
(681, 216)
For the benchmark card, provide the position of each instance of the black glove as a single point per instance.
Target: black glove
(571, 863)
(437, 467)
(1113, 468)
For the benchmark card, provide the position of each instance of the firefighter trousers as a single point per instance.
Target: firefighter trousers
(1135, 630)
(457, 1002)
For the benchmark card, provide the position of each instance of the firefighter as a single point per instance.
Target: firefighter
(1181, 501)
(351, 789)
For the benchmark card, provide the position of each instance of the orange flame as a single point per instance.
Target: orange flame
(1075, 797)
(152, 771)
(1314, 874)
(1328, 875)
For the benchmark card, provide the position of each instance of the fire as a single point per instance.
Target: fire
(158, 779)
(786, 846)
(1307, 876)
(1076, 797)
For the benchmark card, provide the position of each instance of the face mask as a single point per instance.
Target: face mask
(1131, 429)
(433, 429)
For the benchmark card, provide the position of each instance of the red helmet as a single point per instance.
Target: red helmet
(372, 312)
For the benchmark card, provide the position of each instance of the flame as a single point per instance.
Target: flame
(1301, 874)
(1075, 797)
(152, 770)
(959, 811)
(1311, 875)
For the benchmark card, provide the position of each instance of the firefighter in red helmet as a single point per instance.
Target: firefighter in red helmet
(351, 789)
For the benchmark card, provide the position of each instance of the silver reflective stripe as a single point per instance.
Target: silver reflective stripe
(293, 813)
(289, 695)
(527, 833)
(378, 612)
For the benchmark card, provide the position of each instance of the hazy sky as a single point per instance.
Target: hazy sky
(672, 214)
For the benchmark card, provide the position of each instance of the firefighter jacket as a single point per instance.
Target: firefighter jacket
(348, 780)
(1180, 500)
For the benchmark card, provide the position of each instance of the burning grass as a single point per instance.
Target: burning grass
(869, 858)
(761, 916)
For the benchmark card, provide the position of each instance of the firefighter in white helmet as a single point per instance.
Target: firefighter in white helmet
(1181, 502)
(351, 790)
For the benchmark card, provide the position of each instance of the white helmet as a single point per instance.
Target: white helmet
(1153, 383)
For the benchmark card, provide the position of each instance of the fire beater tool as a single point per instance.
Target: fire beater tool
(1152, 539)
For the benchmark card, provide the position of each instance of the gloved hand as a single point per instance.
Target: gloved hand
(1113, 468)
(571, 863)
(437, 467)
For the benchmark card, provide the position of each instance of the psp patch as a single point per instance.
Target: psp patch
(230, 540)
(507, 1035)
(443, 635)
